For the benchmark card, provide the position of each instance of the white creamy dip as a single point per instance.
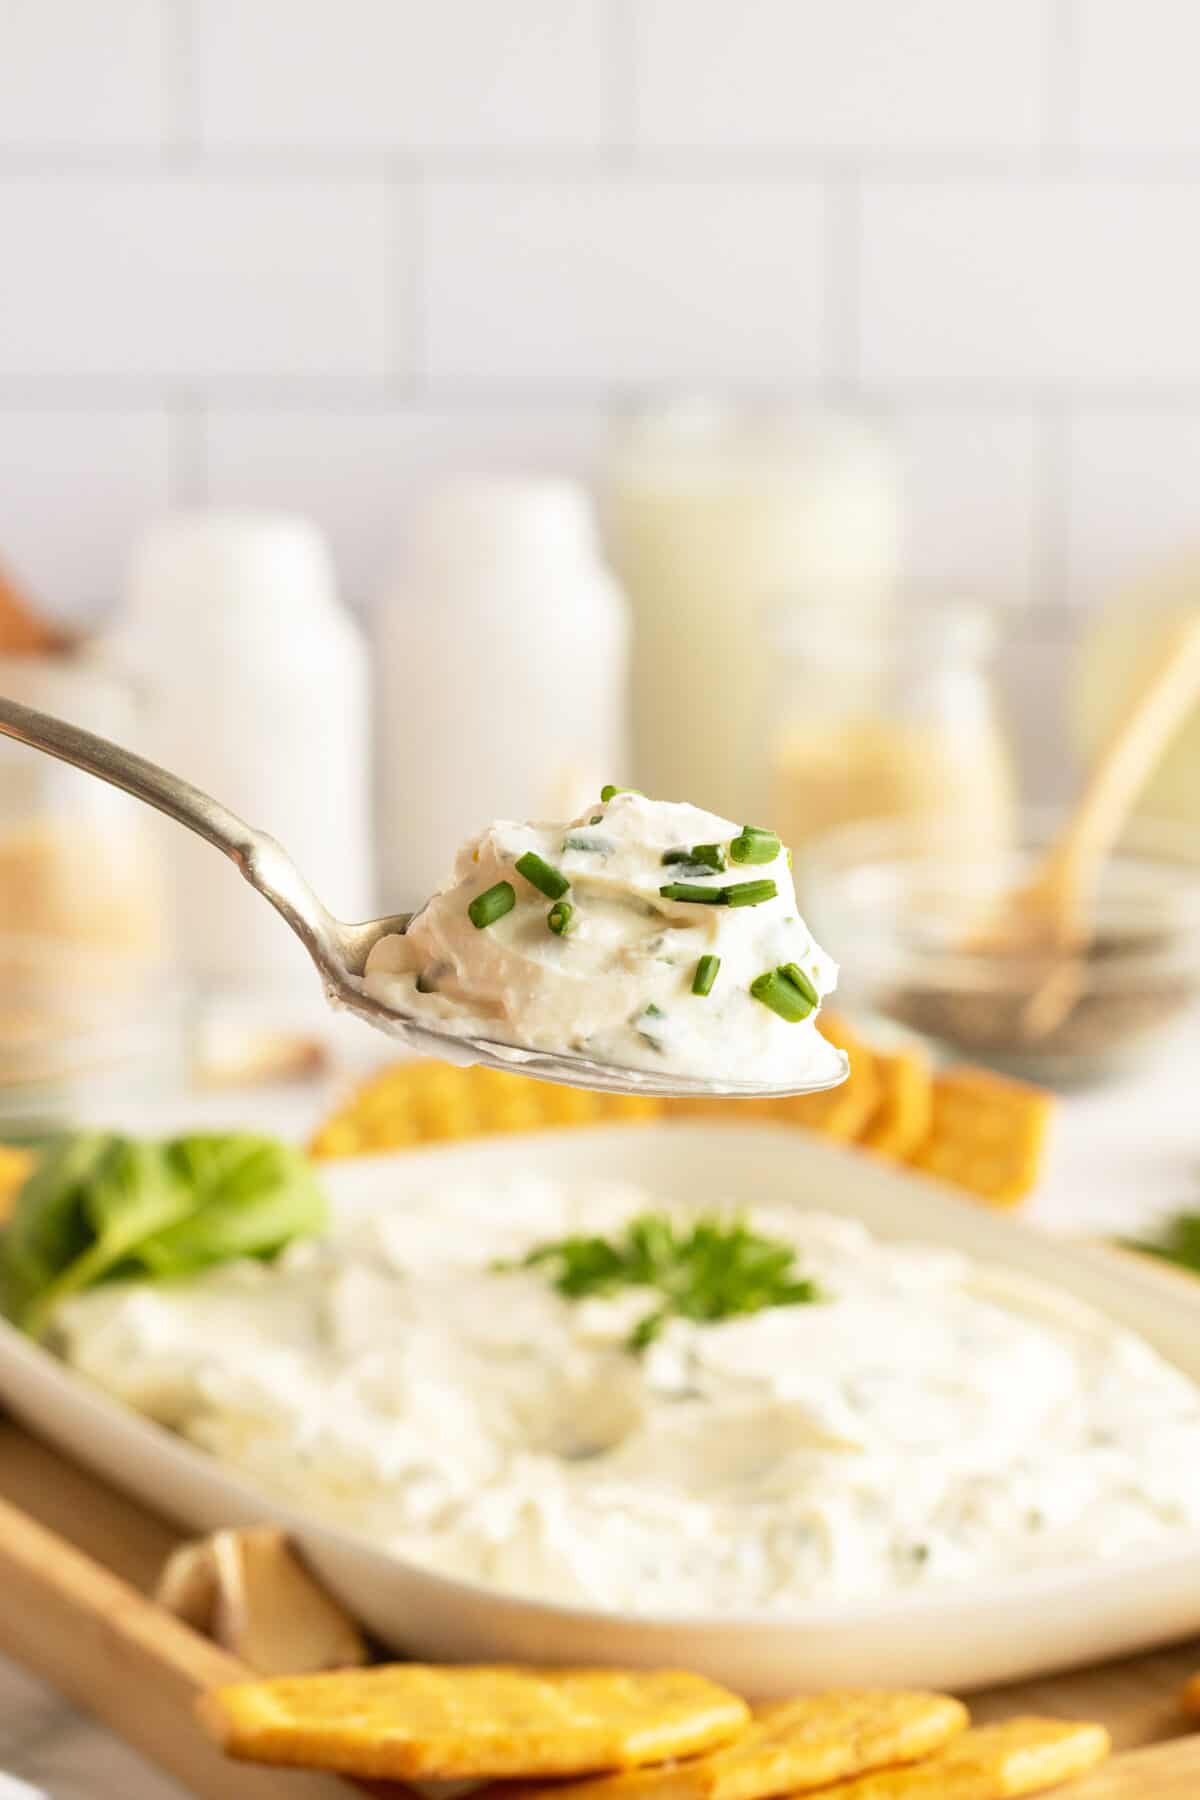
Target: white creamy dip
(929, 1421)
(610, 967)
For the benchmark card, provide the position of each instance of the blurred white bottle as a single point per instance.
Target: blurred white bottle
(256, 688)
(715, 519)
(502, 673)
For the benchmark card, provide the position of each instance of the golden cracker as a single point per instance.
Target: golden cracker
(414, 1721)
(840, 1112)
(1190, 1697)
(417, 1102)
(987, 1134)
(990, 1762)
(791, 1747)
(901, 1120)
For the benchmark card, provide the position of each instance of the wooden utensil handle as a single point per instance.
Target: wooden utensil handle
(1160, 1772)
(1158, 709)
(119, 1657)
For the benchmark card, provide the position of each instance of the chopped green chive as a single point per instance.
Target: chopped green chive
(798, 978)
(749, 893)
(593, 846)
(559, 917)
(698, 896)
(706, 973)
(754, 846)
(777, 990)
(491, 905)
(739, 893)
(610, 792)
(650, 1033)
(700, 856)
(542, 875)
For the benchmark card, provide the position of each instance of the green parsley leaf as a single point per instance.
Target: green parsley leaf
(714, 1268)
(1178, 1243)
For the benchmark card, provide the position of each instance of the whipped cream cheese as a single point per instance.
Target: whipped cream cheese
(608, 937)
(930, 1420)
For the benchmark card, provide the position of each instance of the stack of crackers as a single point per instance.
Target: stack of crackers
(979, 1131)
(593, 1734)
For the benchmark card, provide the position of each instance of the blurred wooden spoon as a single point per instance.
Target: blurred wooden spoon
(1049, 916)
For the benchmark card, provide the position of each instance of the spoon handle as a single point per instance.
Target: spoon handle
(263, 862)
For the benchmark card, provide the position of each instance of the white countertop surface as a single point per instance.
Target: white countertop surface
(1120, 1157)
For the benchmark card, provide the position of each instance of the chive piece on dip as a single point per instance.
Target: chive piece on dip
(754, 846)
(779, 992)
(693, 894)
(559, 917)
(610, 792)
(491, 905)
(749, 893)
(707, 970)
(542, 875)
(700, 856)
(798, 978)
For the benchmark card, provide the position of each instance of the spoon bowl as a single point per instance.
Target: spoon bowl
(339, 950)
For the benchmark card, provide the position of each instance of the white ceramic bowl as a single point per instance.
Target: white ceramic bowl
(958, 1637)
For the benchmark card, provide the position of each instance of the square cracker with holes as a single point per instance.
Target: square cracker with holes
(413, 1721)
(990, 1762)
(791, 1747)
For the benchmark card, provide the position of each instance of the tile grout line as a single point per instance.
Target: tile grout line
(682, 165)
(1060, 118)
(187, 448)
(1050, 549)
(623, 88)
(65, 391)
(843, 285)
(182, 139)
(408, 271)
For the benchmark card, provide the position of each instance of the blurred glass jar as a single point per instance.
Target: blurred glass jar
(712, 513)
(84, 1004)
(891, 719)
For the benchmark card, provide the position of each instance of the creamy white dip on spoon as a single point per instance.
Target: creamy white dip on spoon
(644, 933)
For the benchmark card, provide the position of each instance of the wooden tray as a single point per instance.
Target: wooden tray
(77, 1560)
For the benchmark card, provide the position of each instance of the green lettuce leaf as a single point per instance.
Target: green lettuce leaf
(99, 1206)
(250, 1197)
(49, 1225)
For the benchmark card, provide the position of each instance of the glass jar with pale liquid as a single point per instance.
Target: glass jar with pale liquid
(891, 719)
(713, 513)
(88, 1011)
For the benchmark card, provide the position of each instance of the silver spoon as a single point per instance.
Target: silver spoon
(339, 950)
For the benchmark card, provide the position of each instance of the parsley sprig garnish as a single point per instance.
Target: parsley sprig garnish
(1178, 1242)
(714, 1268)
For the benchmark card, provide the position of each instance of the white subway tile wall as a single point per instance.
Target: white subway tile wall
(635, 281)
(313, 253)
(1030, 282)
(403, 74)
(859, 76)
(74, 487)
(79, 76)
(195, 277)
